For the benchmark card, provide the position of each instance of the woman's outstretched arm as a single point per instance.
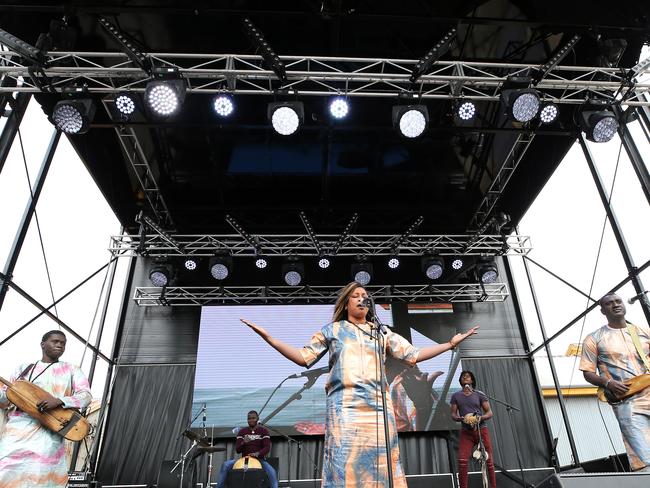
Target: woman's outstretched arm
(289, 352)
(432, 351)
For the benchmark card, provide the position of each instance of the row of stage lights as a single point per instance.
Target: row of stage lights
(164, 98)
(162, 274)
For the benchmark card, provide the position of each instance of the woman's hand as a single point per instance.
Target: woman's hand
(256, 328)
(458, 338)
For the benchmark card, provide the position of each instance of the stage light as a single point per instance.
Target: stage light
(190, 264)
(362, 270)
(126, 103)
(73, 116)
(161, 274)
(521, 101)
(324, 263)
(339, 108)
(220, 266)
(466, 110)
(293, 271)
(411, 120)
(261, 263)
(487, 270)
(286, 117)
(457, 263)
(598, 125)
(224, 105)
(433, 266)
(548, 113)
(164, 97)
(393, 262)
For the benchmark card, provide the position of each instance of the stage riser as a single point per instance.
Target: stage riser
(597, 480)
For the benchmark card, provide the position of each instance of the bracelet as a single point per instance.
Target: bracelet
(607, 382)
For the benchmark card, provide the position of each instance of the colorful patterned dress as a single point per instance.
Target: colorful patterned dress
(355, 453)
(31, 455)
(611, 353)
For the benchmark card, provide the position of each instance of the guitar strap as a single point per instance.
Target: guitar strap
(634, 334)
(20, 376)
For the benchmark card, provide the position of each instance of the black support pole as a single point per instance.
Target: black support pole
(556, 381)
(636, 159)
(616, 228)
(18, 109)
(12, 259)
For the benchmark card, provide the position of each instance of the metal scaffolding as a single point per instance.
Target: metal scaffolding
(242, 295)
(111, 72)
(155, 245)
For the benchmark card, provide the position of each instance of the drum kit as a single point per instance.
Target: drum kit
(180, 473)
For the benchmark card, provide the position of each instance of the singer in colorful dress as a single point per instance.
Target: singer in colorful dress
(355, 447)
(32, 456)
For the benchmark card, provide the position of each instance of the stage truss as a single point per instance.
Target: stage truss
(260, 295)
(169, 245)
(112, 72)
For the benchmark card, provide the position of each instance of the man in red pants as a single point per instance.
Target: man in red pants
(471, 407)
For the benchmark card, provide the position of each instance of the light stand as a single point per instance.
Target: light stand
(382, 368)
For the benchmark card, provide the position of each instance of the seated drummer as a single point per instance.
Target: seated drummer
(254, 441)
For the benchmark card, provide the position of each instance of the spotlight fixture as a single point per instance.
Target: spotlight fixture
(465, 110)
(161, 274)
(286, 117)
(220, 266)
(362, 270)
(339, 108)
(411, 120)
(126, 103)
(487, 270)
(548, 113)
(324, 262)
(457, 263)
(261, 263)
(293, 271)
(190, 264)
(73, 116)
(521, 102)
(165, 94)
(433, 266)
(393, 262)
(598, 122)
(223, 105)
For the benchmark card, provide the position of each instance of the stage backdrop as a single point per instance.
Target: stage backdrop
(237, 371)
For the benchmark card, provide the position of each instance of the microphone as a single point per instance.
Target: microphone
(367, 302)
(467, 387)
(310, 373)
(636, 297)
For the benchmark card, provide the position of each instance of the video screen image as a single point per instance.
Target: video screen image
(236, 371)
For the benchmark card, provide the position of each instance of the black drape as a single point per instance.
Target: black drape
(511, 381)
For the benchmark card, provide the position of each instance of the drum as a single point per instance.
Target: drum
(247, 462)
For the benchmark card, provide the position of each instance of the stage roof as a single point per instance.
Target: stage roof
(206, 168)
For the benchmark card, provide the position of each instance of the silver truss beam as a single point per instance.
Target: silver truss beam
(199, 296)
(145, 175)
(110, 72)
(303, 245)
(500, 180)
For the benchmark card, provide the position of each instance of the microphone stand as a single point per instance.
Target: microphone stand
(311, 379)
(383, 381)
(509, 409)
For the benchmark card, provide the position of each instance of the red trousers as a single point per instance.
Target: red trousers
(468, 439)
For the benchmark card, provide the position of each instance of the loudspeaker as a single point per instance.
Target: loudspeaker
(593, 480)
(532, 476)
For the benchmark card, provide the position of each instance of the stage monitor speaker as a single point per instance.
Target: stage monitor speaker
(250, 478)
(596, 480)
(532, 476)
